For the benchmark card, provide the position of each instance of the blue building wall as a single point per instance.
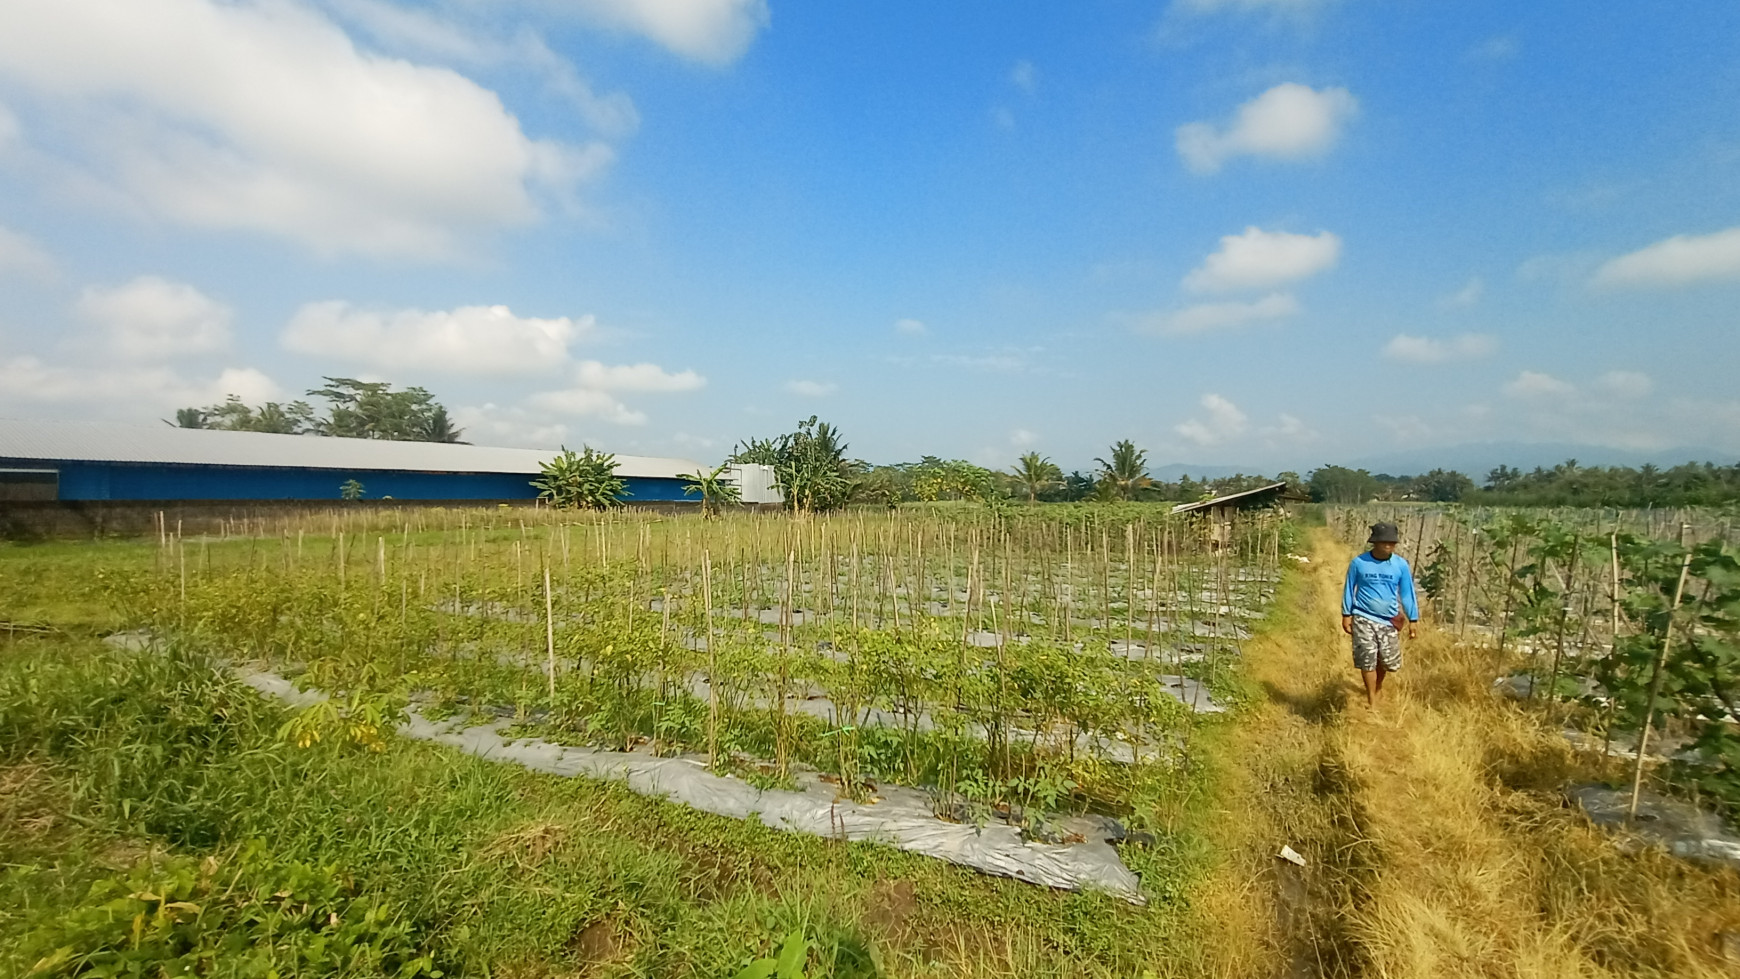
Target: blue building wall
(141, 481)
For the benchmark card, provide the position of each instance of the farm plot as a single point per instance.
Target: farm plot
(1006, 669)
(1624, 626)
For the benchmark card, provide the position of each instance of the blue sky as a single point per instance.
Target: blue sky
(1269, 233)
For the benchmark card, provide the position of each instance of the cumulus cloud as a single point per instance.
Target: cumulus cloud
(587, 402)
(811, 389)
(1629, 385)
(1222, 421)
(1428, 350)
(487, 340)
(22, 257)
(1210, 317)
(423, 33)
(1538, 385)
(1258, 259)
(1682, 260)
(511, 425)
(910, 327)
(1289, 429)
(28, 382)
(713, 32)
(635, 377)
(151, 318)
(1287, 122)
(264, 116)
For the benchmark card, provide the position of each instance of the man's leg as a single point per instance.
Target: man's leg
(1373, 683)
(1382, 671)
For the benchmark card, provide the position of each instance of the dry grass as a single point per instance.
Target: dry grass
(1437, 841)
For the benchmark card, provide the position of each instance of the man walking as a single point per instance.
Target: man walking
(1376, 600)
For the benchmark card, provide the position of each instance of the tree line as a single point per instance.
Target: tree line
(1566, 484)
(353, 409)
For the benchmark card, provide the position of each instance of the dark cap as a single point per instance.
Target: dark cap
(1383, 533)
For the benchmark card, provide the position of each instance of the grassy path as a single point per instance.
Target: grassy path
(1434, 836)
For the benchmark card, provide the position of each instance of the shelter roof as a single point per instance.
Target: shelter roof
(1254, 497)
(74, 441)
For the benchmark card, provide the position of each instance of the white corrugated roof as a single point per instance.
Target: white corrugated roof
(97, 442)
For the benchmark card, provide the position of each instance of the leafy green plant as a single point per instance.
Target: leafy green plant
(350, 491)
(788, 962)
(714, 487)
(249, 916)
(583, 481)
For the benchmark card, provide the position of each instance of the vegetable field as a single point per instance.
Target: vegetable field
(1009, 664)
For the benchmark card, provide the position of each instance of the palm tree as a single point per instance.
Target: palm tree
(1128, 470)
(189, 418)
(1035, 472)
(437, 427)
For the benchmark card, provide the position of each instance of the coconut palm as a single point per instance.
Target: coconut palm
(437, 427)
(1128, 470)
(1036, 473)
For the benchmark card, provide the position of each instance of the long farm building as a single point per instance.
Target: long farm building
(93, 462)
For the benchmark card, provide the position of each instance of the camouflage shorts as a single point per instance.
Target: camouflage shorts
(1372, 640)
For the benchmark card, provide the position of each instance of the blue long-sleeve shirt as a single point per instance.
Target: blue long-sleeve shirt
(1375, 589)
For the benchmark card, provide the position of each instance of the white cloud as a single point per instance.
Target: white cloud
(1537, 385)
(1209, 317)
(587, 402)
(423, 33)
(1427, 350)
(1287, 122)
(123, 392)
(1289, 429)
(1258, 259)
(264, 116)
(1021, 438)
(151, 318)
(1629, 385)
(1466, 296)
(492, 424)
(1224, 421)
(714, 32)
(910, 327)
(486, 340)
(635, 377)
(1024, 76)
(1678, 261)
(811, 389)
(23, 257)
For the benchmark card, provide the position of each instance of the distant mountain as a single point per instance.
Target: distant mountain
(1476, 459)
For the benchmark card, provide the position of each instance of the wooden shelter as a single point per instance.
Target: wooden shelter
(1219, 511)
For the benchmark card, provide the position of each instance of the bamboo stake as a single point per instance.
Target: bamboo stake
(1667, 639)
(549, 634)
